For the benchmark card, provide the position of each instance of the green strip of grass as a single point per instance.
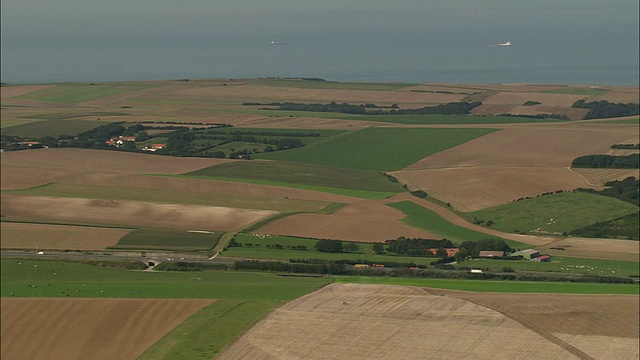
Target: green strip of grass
(55, 128)
(378, 149)
(565, 265)
(498, 286)
(210, 330)
(425, 219)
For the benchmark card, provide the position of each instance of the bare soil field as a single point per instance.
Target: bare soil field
(601, 327)
(472, 188)
(366, 221)
(57, 237)
(350, 321)
(88, 328)
(129, 213)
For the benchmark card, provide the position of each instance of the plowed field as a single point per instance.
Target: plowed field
(59, 237)
(88, 328)
(347, 321)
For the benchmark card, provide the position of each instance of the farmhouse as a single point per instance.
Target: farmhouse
(119, 141)
(491, 254)
(154, 147)
(527, 254)
(450, 251)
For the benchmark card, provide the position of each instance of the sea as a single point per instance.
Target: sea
(584, 42)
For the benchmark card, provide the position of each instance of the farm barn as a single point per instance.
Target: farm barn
(527, 254)
(491, 254)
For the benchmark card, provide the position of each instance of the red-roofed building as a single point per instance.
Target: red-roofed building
(450, 251)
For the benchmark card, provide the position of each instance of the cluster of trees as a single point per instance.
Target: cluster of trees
(604, 109)
(473, 248)
(538, 116)
(626, 227)
(626, 146)
(299, 268)
(452, 108)
(416, 246)
(188, 266)
(335, 246)
(631, 161)
(627, 190)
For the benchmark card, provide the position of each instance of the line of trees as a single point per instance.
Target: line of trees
(631, 161)
(453, 108)
(604, 109)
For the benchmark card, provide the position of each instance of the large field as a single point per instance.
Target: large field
(372, 321)
(349, 180)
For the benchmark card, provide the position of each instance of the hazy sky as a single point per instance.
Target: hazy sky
(84, 40)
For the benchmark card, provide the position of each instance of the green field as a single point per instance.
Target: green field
(172, 197)
(259, 250)
(423, 218)
(498, 286)
(80, 92)
(179, 240)
(561, 264)
(279, 172)
(55, 128)
(379, 149)
(7, 123)
(560, 212)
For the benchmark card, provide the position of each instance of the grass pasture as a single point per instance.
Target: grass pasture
(562, 264)
(579, 91)
(560, 212)
(279, 172)
(152, 239)
(80, 92)
(379, 149)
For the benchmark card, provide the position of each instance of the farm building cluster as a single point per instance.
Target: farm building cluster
(120, 141)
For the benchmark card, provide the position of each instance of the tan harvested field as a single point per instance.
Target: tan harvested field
(590, 248)
(129, 213)
(349, 321)
(88, 328)
(366, 221)
(481, 173)
(595, 177)
(265, 94)
(17, 90)
(545, 99)
(620, 95)
(57, 237)
(474, 188)
(307, 123)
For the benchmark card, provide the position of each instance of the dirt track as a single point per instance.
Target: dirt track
(349, 321)
(34, 328)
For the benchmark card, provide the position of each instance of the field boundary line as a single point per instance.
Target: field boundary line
(538, 330)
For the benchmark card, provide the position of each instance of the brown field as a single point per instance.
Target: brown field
(366, 221)
(17, 90)
(129, 213)
(349, 321)
(88, 328)
(620, 95)
(595, 177)
(571, 113)
(255, 93)
(57, 237)
(519, 98)
(307, 123)
(481, 173)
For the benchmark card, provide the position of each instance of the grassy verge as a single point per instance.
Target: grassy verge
(210, 330)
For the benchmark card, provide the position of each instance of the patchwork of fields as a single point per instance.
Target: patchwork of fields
(349, 182)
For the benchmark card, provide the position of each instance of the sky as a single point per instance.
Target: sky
(87, 40)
